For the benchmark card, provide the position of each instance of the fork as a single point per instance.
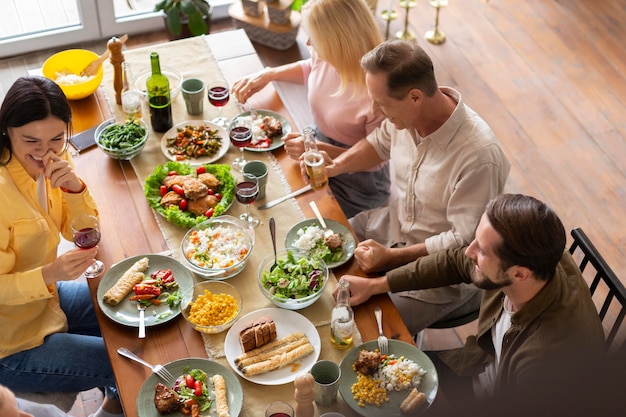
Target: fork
(160, 370)
(142, 321)
(327, 232)
(383, 343)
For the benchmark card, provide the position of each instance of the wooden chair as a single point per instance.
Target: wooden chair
(611, 295)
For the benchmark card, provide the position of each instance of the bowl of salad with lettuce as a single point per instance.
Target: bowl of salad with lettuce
(297, 280)
(188, 195)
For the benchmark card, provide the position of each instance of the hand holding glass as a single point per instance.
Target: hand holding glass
(246, 191)
(86, 235)
(219, 95)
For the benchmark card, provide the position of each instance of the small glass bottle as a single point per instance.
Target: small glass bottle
(131, 99)
(313, 160)
(158, 88)
(342, 318)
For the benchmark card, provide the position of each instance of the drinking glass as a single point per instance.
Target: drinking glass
(219, 95)
(241, 136)
(246, 191)
(86, 235)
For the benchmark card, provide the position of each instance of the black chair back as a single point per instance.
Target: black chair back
(615, 291)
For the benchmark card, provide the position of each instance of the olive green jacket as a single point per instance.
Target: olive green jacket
(557, 330)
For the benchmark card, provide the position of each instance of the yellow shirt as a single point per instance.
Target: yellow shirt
(29, 237)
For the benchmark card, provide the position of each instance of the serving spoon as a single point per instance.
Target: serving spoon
(273, 234)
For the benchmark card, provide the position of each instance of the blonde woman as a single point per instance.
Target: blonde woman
(340, 33)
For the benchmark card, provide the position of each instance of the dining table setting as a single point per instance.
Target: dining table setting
(172, 247)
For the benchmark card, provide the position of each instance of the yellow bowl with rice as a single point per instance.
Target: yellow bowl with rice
(64, 68)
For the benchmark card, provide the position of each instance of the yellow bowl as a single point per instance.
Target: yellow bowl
(73, 61)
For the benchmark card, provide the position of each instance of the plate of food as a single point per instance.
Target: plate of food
(188, 195)
(268, 129)
(156, 281)
(409, 375)
(195, 141)
(308, 237)
(220, 395)
(271, 346)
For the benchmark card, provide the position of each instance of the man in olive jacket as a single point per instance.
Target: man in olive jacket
(537, 321)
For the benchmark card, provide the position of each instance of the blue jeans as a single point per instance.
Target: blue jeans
(65, 362)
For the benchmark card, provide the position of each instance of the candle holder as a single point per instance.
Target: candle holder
(406, 34)
(388, 15)
(436, 36)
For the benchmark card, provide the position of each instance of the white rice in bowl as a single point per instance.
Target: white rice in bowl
(217, 247)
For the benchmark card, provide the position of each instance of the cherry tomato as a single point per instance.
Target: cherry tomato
(209, 212)
(218, 196)
(169, 174)
(178, 189)
(183, 205)
(162, 190)
(164, 275)
(211, 191)
(200, 170)
(198, 389)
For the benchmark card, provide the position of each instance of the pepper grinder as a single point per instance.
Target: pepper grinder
(304, 395)
(117, 58)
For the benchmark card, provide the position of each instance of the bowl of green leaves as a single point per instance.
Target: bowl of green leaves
(122, 140)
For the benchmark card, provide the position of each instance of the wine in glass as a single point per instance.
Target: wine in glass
(219, 95)
(246, 192)
(86, 235)
(240, 136)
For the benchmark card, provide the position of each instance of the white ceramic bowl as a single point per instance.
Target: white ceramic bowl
(286, 298)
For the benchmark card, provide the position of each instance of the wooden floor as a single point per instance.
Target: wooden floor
(548, 76)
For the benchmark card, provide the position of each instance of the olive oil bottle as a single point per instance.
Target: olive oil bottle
(158, 88)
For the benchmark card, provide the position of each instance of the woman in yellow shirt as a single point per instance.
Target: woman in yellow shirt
(50, 336)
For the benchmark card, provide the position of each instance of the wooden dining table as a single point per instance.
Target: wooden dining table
(130, 228)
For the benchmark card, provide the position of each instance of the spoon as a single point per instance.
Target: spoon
(273, 234)
(327, 232)
(93, 66)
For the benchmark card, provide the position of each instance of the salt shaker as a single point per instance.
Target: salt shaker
(304, 395)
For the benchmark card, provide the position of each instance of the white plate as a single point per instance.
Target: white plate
(126, 312)
(234, 393)
(276, 142)
(287, 322)
(348, 242)
(202, 160)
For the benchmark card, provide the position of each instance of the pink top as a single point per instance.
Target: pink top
(341, 118)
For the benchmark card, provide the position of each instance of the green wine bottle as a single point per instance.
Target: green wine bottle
(158, 88)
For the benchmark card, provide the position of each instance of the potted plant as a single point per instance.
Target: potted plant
(195, 15)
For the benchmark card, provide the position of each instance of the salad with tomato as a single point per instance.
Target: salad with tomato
(192, 389)
(179, 213)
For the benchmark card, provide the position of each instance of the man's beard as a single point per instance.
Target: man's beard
(484, 282)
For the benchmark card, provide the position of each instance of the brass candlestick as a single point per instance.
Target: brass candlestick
(406, 34)
(388, 15)
(435, 35)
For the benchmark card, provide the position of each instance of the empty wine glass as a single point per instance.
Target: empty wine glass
(86, 235)
(219, 95)
(241, 136)
(246, 192)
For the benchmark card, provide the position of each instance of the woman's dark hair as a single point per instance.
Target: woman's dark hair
(30, 99)
(406, 64)
(532, 234)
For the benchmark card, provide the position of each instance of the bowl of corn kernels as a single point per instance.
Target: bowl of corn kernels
(211, 306)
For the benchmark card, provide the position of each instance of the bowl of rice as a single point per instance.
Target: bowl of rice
(211, 306)
(218, 248)
(64, 68)
(297, 281)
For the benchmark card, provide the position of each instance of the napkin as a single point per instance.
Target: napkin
(42, 194)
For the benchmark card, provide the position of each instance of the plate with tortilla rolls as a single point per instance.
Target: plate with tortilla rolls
(116, 288)
(227, 395)
(293, 347)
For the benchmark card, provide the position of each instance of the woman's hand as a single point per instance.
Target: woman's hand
(60, 173)
(69, 265)
(250, 85)
(294, 145)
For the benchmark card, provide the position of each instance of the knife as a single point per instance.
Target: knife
(286, 197)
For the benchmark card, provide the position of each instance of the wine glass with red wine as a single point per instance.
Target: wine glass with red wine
(240, 136)
(219, 94)
(86, 235)
(246, 192)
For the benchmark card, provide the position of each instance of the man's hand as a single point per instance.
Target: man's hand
(371, 256)
(361, 289)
